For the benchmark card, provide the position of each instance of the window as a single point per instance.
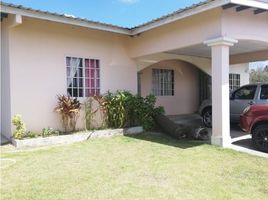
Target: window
(83, 77)
(264, 92)
(245, 93)
(234, 81)
(163, 82)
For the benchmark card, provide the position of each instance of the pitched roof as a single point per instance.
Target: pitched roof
(177, 15)
(62, 18)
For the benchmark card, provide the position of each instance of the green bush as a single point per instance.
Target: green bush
(20, 131)
(124, 109)
(142, 111)
(116, 109)
(31, 134)
(49, 131)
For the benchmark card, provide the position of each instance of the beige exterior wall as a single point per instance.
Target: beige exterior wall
(245, 25)
(186, 98)
(203, 64)
(37, 68)
(190, 31)
(186, 32)
(186, 89)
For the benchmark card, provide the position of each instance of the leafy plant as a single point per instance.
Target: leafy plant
(93, 108)
(49, 131)
(88, 113)
(123, 109)
(116, 109)
(20, 131)
(146, 111)
(69, 109)
(102, 101)
(142, 111)
(31, 134)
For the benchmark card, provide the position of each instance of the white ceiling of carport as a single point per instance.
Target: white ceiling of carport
(201, 50)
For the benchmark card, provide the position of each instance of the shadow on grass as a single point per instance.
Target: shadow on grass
(161, 138)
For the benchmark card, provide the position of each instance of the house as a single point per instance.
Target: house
(44, 54)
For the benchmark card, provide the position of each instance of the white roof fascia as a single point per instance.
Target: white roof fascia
(251, 3)
(63, 19)
(180, 15)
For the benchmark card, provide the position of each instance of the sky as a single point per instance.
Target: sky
(126, 13)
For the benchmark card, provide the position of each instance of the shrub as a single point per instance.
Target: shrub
(93, 111)
(69, 109)
(49, 131)
(142, 111)
(116, 109)
(123, 109)
(20, 131)
(31, 134)
(88, 113)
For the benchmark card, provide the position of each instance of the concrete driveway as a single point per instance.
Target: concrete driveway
(241, 141)
(241, 138)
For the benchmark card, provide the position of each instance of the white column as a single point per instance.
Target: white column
(220, 90)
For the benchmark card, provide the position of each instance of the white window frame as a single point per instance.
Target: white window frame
(234, 81)
(84, 76)
(163, 89)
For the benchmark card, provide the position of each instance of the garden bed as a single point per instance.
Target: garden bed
(72, 138)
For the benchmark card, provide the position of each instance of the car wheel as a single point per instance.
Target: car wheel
(207, 117)
(260, 137)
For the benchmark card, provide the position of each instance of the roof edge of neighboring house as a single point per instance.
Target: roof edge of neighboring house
(166, 19)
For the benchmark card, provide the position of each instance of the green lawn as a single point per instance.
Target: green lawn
(148, 166)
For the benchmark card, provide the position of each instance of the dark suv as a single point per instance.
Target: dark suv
(253, 94)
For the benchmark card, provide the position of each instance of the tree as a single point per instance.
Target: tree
(265, 68)
(259, 75)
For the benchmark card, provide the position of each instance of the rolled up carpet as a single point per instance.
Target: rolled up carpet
(181, 130)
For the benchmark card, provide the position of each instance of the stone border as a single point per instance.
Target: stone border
(76, 137)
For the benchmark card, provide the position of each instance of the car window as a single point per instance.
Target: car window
(246, 93)
(264, 92)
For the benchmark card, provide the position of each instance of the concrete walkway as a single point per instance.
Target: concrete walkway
(240, 140)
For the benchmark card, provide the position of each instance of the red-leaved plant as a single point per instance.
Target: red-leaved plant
(69, 109)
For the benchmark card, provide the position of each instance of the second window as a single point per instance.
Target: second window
(163, 82)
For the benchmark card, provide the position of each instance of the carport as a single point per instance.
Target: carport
(211, 35)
